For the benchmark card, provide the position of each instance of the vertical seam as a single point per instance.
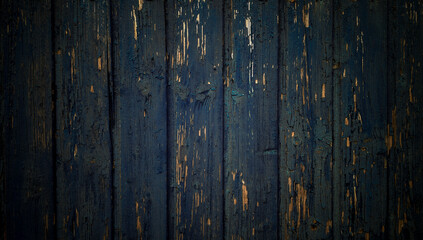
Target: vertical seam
(334, 95)
(111, 98)
(278, 106)
(53, 113)
(168, 133)
(223, 117)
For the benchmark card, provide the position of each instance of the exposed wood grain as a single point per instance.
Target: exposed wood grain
(251, 133)
(195, 100)
(26, 160)
(360, 60)
(140, 119)
(305, 120)
(404, 139)
(82, 43)
(224, 119)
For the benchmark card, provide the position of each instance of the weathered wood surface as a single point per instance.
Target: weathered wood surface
(139, 139)
(251, 129)
(26, 155)
(305, 120)
(404, 136)
(195, 109)
(222, 119)
(83, 164)
(360, 62)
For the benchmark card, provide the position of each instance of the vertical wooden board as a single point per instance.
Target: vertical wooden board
(251, 132)
(26, 160)
(361, 162)
(195, 99)
(405, 117)
(305, 120)
(140, 118)
(82, 109)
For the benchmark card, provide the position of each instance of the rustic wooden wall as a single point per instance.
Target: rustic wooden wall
(223, 119)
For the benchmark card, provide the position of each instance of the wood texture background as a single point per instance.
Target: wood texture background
(223, 119)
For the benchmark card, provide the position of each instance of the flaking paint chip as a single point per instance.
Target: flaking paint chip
(323, 90)
(99, 63)
(244, 198)
(134, 16)
(75, 151)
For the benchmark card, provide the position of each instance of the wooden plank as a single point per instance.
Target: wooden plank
(361, 162)
(305, 120)
(140, 116)
(251, 132)
(26, 160)
(195, 101)
(82, 43)
(405, 118)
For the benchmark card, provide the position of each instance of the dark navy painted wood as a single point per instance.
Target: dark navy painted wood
(360, 63)
(405, 120)
(194, 40)
(26, 160)
(140, 119)
(82, 53)
(251, 132)
(305, 120)
(222, 119)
